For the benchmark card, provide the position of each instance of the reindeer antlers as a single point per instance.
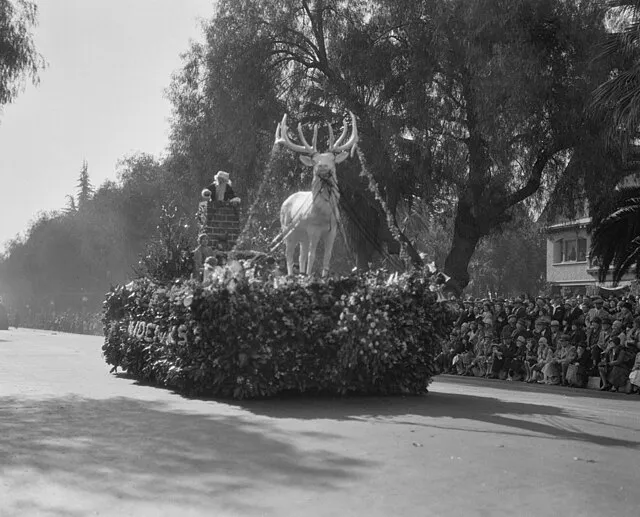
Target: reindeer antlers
(282, 137)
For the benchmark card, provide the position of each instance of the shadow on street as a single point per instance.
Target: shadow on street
(143, 450)
(517, 417)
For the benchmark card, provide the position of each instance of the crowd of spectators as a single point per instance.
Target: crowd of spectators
(553, 340)
(66, 321)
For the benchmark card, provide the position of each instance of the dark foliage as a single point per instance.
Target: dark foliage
(615, 227)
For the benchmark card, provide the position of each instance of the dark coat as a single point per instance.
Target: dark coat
(229, 194)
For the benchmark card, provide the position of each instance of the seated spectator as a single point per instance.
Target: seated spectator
(577, 334)
(480, 362)
(552, 371)
(500, 318)
(444, 359)
(544, 353)
(510, 329)
(634, 375)
(522, 329)
(463, 360)
(555, 332)
(565, 354)
(633, 334)
(613, 366)
(513, 355)
(619, 331)
(530, 359)
(578, 371)
(541, 329)
(496, 361)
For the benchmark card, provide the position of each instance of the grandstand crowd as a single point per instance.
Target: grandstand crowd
(560, 341)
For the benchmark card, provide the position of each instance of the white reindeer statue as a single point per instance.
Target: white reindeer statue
(306, 217)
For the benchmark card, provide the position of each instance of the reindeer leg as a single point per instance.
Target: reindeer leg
(328, 248)
(290, 247)
(314, 238)
(304, 253)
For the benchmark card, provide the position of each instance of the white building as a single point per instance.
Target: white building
(569, 267)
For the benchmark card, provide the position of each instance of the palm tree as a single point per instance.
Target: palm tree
(615, 233)
(616, 102)
(615, 226)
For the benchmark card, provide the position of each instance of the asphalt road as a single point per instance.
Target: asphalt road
(77, 441)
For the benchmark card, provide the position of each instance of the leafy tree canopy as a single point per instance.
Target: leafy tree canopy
(19, 59)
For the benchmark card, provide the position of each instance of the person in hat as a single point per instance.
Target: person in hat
(541, 329)
(509, 330)
(566, 354)
(625, 316)
(614, 368)
(555, 332)
(519, 309)
(220, 189)
(597, 311)
(545, 354)
(577, 334)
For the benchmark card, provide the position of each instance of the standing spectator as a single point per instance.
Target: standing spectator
(519, 310)
(625, 316)
(500, 318)
(4, 317)
(574, 313)
(487, 317)
(597, 311)
(557, 309)
(634, 375)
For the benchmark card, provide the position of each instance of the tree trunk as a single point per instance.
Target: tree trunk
(466, 235)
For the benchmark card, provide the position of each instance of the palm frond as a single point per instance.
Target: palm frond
(615, 233)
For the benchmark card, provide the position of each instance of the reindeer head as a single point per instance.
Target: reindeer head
(324, 164)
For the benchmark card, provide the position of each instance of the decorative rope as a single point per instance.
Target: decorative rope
(373, 187)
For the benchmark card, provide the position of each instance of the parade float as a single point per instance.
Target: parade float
(250, 331)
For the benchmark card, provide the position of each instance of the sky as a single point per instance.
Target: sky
(100, 99)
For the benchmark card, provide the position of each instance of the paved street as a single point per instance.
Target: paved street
(77, 441)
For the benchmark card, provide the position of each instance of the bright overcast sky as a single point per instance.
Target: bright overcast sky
(100, 99)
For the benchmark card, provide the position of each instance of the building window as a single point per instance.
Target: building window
(570, 250)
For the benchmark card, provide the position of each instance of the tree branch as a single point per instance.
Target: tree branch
(535, 178)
